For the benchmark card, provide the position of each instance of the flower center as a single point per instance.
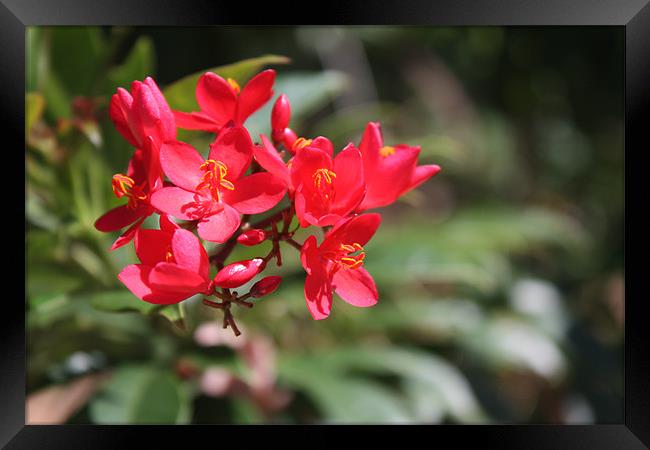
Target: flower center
(124, 186)
(169, 256)
(348, 256)
(214, 178)
(321, 175)
(386, 151)
(234, 85)
(299, 143)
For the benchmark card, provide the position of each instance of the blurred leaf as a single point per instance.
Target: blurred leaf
(138, 64)
(45, 281)
(180, 94)
(77, 69)
(141, 395)
(119, 301)
(34, 106)
(57, 98)
(36, 57)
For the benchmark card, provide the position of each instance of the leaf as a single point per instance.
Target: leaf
(122, 300)
(141, 395)
(42, 281)
(34, 106)
(138, 64)
(180, 94)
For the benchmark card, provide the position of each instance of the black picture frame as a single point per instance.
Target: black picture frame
(633, 15)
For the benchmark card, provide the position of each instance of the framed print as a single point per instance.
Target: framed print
(405, 214)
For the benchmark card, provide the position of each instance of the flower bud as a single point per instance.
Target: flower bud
(281, 114)
(288, 138)
(265, 286)
(238, 273)
(251, 237)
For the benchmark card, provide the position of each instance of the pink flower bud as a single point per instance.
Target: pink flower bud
(288, 138)
(238, 273)
(251, 237)
(281, 114)
(265, 286)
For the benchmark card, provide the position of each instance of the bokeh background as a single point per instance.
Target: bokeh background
(501, 279)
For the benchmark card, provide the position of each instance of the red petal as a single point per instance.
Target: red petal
(216, 98)
(349, 184)
(118, 218)
(118, 114)
(145, 113)
(181, 163)
(318, 295)
(167, 122)
(256, 92)
(174, 279)
(390, 177)
(189, 253)
(269, 158)
(234, 148)
(128, 235)
(357, 229)
(136, 278)
(181, 204)
(371, 142)
(356, 287)
(167, 224)
(238, 273)
(255, 193)
(422, 174)
(305, 163)
(152, 246)
(221, 226)
(324, 144)
(196, 121)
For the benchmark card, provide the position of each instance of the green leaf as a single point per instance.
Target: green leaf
(34, 106)
(122, 300)
(138, 64)
(141, 395)
(180, 94)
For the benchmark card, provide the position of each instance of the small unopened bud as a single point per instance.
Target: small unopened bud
(251, 237)
(238, 273)
(288, 138)
(281, 114)
(265, 286)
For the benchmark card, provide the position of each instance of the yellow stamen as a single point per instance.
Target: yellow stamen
(234, 85)
(387, 151)
(300, 143)
(169, 257)
(350, 261)
(321, 174)
(214, 178)
(124, 186)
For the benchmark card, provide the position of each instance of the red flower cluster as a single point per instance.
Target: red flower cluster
(238, 179)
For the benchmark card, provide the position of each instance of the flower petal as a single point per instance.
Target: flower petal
(117, 218)
(181, 163)
(181, 204)
(422, 174)
(269, 158)
(305, 164)
(152, 246)
(189, 253)
(136, 278)
(234, 148)
(356, 287)
(371, 142)
(357, 229)
(220, 226)
(174, 279)
(255, 193)
(216, 98)
(128, 235)
(238, 273)
(120, 104)
(318, 295)
(196, 121)
(256, 92)
(324, 144)
(167, 122)
(349, 185)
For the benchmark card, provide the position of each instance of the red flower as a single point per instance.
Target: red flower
(222, 101)
(141, 113)
(174, 265)
(139, 183)
(390, 171)
(326, 190)
(337, 266)
(265, 286)
(215, 191)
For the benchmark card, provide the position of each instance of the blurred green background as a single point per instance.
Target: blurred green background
(501, 279)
